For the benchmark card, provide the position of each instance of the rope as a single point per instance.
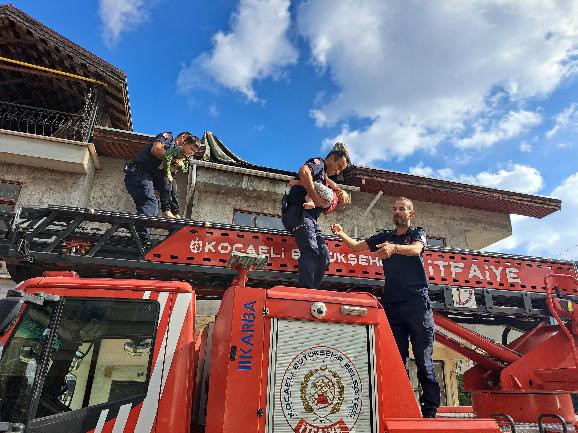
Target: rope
(53, 71)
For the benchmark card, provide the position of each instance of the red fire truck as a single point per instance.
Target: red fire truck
(100, 337)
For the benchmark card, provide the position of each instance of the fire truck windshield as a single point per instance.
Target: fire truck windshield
(20, 360)
(68, 354)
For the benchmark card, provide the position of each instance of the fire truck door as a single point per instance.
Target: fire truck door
(99, 371)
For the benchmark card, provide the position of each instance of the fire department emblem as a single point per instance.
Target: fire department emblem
(196, 246)
(321, 392)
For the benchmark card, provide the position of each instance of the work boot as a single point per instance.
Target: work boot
(168, 214)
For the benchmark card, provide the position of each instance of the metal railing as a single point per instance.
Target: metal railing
(51, 123)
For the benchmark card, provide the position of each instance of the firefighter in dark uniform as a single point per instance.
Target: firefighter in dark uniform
(405, 295)
(143, 177)
(302, 223)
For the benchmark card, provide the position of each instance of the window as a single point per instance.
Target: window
(9, 192)
(432, 241)
(101, 354)
(251, 219)
(439, 368)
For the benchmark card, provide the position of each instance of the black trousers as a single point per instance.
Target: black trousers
(412, 321)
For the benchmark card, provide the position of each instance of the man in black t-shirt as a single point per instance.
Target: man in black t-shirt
(405, 294)
(302, 223)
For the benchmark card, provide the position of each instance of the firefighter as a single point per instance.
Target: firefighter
(405, 295)
(143, 177)
(302, 223)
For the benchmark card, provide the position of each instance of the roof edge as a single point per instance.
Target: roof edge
(455, 183)
(477, 196)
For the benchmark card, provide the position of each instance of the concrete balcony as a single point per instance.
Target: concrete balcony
(58, 154)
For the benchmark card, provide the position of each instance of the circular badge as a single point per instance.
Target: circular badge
(321, 392)
(196, 246)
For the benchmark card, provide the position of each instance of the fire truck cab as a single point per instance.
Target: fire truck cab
(110, 355)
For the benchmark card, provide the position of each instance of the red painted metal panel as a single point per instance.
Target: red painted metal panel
(213, 247)
(93, 285)
(176, 402)
(300, 294)
(132, 419)
(455, 409)
(395, 396)
(523, 407)
(299, 308)
(235, 384)
(484, 271)
(441, 425)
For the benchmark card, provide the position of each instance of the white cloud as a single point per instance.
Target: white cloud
(516, 177)
(213, 110)
(423, 72)
(568, 118)
(553, 236)
(118, 16)
(510, 126)
(446, 173)
(257, 47)
(421, 170)
(367, 145)
(525, 147)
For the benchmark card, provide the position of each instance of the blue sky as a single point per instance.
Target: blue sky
(483, 91)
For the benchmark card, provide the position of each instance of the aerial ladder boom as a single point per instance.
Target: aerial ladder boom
(488, 286)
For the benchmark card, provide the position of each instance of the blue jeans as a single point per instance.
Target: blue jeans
(413, 321)
(314, 254)
(141, 187)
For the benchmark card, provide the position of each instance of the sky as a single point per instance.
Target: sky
(482, 92)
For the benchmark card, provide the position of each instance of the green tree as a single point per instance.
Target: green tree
(464, 397)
